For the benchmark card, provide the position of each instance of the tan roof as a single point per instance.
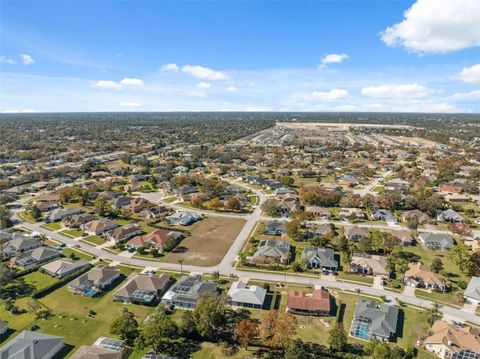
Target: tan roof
(376, 263)
(455, 338)
(88, 352)
(417, 270)
(143, 282)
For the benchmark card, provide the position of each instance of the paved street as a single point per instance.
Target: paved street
(226, 266)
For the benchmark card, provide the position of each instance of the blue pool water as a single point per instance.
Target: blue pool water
(361, 331)
(91, 292)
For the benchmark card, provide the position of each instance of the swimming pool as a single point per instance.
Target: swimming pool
(91, 292)
(361, 331)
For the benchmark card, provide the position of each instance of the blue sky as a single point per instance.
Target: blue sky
(410, 55)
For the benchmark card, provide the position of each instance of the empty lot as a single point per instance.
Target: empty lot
(210, 240)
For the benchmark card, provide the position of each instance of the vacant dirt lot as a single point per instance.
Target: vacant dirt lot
(210, 240)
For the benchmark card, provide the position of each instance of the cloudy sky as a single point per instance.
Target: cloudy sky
(421, 55)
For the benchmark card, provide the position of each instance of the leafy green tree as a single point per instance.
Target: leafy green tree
(296, 350)
(461, 256)
(126, 327)
(210, 316)
(35, 212)
(337, 338)
(160, 334)
(436, 265)
(433, 314)
(294, 230)
(5, 217)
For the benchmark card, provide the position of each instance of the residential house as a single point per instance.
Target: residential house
(156, 212)
(271, 251)
(111, 344)
(322, 258)
(418, 275)
(142, 288)
(99, 226)
(384, 215)
(91, 352)
(183, 218)
(436, 241)
(34, 257)
(373, 320)
(404, 236)
(355, 233)
(188, 291)
(472, 292)
(351, 213)
(243, 295)
(45, 206)
(64, 267)
(289, 205)
(316, 304)
(422, 218)
(3, 327)
(121, 202)
(449, 341)
(77, 220)
(319, 212)
(19, 244)
(140, 204)
(156, 239)
(124, 233)
(367, 264)
(94, 281)
(61, 213)
(451, 216)
(397, 184)
(275, 228)
(32, 345)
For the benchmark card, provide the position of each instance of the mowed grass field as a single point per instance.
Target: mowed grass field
(209, 241)
(72, 319)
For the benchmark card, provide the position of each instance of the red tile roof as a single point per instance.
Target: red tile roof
(318, 301)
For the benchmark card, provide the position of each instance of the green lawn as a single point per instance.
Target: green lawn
(95, 240)
(54, 226)
(39, 280)
(71, 318)
(355, 278)
(169, 199)
(27, 217)
(72, 233)
(81, 255)
(448, 298)
(127, 270)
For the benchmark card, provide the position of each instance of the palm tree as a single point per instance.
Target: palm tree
(358, 291)
(180, 261)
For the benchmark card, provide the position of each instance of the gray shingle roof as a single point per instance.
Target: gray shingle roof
(383, 318)
(31, 345)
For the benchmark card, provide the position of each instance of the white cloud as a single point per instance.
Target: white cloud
(27, 59)
(396, 91)
(204, 73)
(128, 81)
(437, 26)
(466, 96)
(106, 85)
(204, 85)
(6, 60)
(231, 89)
(130, 104)
(27, 110)
(332, 95)
(346, 108)
(169, 68)
(470, 74)
(333, 59)
(195, 93)
(112, 85)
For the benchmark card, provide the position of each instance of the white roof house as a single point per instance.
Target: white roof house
(472, 292)
(242, 295)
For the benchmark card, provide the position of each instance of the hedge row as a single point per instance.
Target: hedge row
(39, 293)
